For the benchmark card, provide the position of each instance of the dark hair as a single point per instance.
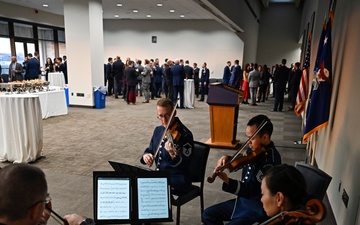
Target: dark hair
(236, 61)
(21, 186)
(187, 61)
(287, 180)
(195, 64)
(109, 59)
(139, 62)
(257, 120)
(297, 64)
(283, 61)
(165, 102)
(147, 61)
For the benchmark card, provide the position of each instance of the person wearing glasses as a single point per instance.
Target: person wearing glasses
(173, 153)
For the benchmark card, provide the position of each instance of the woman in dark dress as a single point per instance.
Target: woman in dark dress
(49, 67)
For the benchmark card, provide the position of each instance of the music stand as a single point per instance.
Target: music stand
(122, 167)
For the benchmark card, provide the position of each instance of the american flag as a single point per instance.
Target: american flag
(304, 82)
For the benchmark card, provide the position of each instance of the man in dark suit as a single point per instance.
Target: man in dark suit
(110, 76)
(204, 81)
(196, 79)
(15, 70)
(281, 77)
(227, 73)
(33, 67)
(236, 76)
(178, 82)
(189, 71)
(118, 71)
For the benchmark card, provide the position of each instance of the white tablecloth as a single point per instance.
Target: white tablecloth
(189, 94)
(53, 103)
(21, 128)
(56, 79)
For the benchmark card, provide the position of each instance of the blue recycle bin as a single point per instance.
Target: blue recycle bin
(66, 89)
(99, 99)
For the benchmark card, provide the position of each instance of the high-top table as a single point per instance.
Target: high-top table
(189, 94)
(53, 103)
(21, 128)
(56, 79)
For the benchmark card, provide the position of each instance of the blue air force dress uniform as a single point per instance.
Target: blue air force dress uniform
(247, 207)
(180, 179)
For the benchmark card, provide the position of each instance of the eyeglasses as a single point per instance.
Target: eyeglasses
(159, 117)
(47, 200)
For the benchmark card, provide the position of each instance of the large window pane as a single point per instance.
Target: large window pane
(4, 28)
(5, 55)
(20, 53)
(46, 49)
(45, 33)
(62, 49)
(23, 30)
(61, 35)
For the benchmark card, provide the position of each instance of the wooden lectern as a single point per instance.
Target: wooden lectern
(224, 109)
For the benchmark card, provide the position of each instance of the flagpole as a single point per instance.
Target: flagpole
(314, 150)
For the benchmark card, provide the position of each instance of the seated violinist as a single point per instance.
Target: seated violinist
(173, 153)
(283, 189)
(247, 207)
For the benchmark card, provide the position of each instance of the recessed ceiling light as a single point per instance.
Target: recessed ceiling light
(45, 5)
(172, 10)
(119, 4)
(148, 16)
(182, 16)
(159, 4)
(135, 10)
(116, 16)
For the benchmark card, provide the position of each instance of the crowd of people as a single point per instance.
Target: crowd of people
(151, 80)
(255, 81)
(31, 69)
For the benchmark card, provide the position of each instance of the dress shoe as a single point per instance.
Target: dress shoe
(145, 102)
(201, 100)
(273, 110)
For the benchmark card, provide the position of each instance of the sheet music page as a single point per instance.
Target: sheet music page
(153, 198)
(113, 198)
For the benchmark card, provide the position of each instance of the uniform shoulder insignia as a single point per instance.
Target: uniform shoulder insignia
(187, 149)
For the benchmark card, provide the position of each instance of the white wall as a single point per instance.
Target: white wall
(196, 40)
(279, 35)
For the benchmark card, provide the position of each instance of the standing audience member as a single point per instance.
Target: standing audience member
(294, 84)
(146, 80)
(32, 67)
(280, 80)
(64, 59)
(254, 77)
(264, 83)
(196, 79)
(157, 80)
(49, 67)
(236, 76)
(139, 70)
(246, 83)
(110, 76)
(131, 79)
(189, 71)
(178, 82)
(15, 70)
(227, 73)
(118, 73)
(247, 207)
(204, 81)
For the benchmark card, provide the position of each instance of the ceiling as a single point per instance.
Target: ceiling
(147, 9)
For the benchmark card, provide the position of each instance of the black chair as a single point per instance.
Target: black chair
(317, 181)
(4, 78)
(197, 167)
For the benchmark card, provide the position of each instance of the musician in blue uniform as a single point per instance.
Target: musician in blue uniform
(246, 208)
(173, 155)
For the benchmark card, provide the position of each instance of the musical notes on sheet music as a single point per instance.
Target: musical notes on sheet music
(153, 198)
(113, 198)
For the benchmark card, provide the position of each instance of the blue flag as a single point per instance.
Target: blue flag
(319, 105)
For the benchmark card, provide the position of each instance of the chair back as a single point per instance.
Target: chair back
(198, 162)
(5, 78)
(317, 181)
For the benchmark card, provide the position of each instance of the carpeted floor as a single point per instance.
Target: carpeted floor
(84, 140)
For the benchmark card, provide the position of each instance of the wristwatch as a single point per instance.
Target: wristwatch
(88, 221)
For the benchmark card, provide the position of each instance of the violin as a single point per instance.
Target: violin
(239, 160)
(173, 135)
(314, 212)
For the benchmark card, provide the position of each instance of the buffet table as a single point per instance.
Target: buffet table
(53, 103)
(56, 79)
(189, 94)
(21, 129)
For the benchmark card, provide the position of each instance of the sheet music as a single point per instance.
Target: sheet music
(153, 198)
(113, 198)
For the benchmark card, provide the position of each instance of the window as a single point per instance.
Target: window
(23, 30)
(4, 28)
(46, 49)
(45, 34)
(5, 55)
(61, 36)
